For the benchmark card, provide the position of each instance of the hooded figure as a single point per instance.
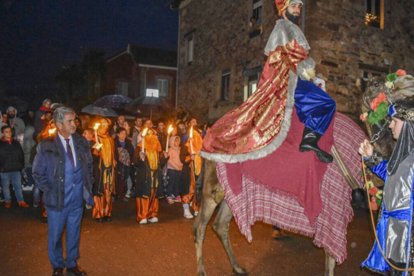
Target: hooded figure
(394, 228)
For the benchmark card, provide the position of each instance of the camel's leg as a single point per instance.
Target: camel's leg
(329, 265)
(221, 226)
(212, 196)
(208, 205)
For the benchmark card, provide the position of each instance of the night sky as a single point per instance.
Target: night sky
(38, 37)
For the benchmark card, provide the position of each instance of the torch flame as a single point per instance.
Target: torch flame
(170, 129)
(52, 131)
(96, 126)
(144, 132)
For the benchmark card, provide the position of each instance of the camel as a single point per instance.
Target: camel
(216, 195)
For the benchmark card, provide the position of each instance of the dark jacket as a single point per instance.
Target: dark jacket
(49, 169)
(162, 137)
(11, 156)
(128, 147)
(143, 180)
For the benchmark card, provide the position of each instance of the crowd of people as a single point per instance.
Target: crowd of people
(131, 159)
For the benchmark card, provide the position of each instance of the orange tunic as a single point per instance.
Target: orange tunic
(103, 201)
(194, 146)
(147, 207)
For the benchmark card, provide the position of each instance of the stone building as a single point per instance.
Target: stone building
(220, 52)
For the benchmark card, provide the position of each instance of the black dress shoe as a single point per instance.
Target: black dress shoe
(57, 272)
(75, 271)
(108, 219)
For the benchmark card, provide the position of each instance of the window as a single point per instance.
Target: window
(225, 85)
(122, 88)
(190, 48)
(163, 86)
(252, 85)
(251, 78)
(152, 93)
(257, 12)
(374, 13)
(256, 18)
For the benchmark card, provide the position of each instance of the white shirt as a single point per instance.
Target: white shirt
(63, 140)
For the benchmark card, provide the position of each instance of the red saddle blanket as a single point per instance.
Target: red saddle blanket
(287, 170)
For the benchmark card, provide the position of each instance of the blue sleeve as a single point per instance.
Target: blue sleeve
(380, 170)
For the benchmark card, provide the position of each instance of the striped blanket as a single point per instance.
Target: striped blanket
(257, 203)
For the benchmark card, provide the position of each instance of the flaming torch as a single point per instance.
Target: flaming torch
(143, 133)
(97, 145)
(191, 141)
(51, 131)
(95, 128)
(170, 129)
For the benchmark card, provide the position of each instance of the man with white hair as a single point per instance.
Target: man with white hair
(62, 169)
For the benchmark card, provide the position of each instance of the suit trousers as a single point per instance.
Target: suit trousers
(57, 220)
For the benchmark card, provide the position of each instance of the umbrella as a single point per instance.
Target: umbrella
(96, 110)
(113, 101)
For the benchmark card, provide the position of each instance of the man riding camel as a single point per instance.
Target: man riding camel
(260, 125)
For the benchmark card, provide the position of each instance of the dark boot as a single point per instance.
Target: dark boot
(310, 142)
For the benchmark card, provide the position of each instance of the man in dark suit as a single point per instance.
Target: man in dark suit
(62, 169)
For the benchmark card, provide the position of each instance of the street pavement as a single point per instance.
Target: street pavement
(123, 247)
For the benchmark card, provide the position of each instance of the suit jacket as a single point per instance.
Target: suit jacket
(49, 169)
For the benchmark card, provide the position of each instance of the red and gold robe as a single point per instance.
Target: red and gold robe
(259, 126)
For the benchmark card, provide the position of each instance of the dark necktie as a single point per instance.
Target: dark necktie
(69, 152)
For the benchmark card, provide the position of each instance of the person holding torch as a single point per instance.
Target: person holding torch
(190, 157)
(147, 161)
(104, 185)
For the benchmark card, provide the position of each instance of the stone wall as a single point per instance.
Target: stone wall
(342, 46)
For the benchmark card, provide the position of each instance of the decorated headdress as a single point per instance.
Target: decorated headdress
(402, 105)
(282, 5)
(394, 97)
(401, 87)
(402, 109)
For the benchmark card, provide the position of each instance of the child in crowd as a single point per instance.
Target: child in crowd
(174, 168)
